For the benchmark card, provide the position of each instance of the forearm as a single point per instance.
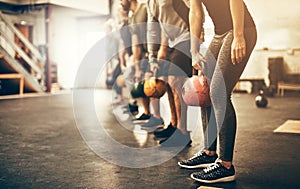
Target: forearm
(121, 54)
(136, 53)
(164, 42)
(136, 50)
(153, 38)
(196, 17)
(153, 32)
(237, 13)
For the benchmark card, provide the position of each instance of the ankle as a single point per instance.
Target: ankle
(174, 124)
(183, 131)
(226, 164)
(157, 116)
(210, 153)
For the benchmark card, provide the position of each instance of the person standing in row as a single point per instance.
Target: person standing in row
(226, 58)
(138, 27)
(171, 18)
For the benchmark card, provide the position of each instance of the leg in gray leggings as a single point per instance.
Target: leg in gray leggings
(220, 118)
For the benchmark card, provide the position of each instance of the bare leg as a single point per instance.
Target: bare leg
(176, 83)
(146, 102)
(172, 106)
(155, 106)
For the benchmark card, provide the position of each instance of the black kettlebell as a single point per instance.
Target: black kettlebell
(260, 100)
(133, 108)
(137, 90)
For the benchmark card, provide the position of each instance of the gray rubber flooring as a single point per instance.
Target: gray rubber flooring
(42, 145)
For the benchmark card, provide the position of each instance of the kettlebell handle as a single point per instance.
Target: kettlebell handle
(200, 73)
(197, 72)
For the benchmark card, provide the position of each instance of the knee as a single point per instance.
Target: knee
(218, 96)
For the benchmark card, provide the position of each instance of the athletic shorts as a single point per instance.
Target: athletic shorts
(180, 61)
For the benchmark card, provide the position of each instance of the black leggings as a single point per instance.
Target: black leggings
(219, 120)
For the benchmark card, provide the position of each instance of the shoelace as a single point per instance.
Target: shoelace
(211, 168)
(197, 154)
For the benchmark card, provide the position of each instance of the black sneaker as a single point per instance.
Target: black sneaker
(131, 108)
(176, 140)
(142, 118)
(159, 128)
(165, 132)
(215, 173)
(199, 160)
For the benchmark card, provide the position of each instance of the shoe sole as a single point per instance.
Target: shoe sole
(159, 137)
(149, 130)
(162, 144)
(225, 179)
(133, 113)
(159, 129)
(140, 121)
(150, 126)
(195, 166)
(162, 136)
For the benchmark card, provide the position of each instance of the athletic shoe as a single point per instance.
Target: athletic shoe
(215, 173)
(176, 140)
(131, 108)
(142, 118)
(163, 133)
(153, 121)
(159, 128)
(117, 101)
(199, 160)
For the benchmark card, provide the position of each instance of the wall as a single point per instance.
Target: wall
(72, 33)
(278, 33)
(277, 22)
(258, 64)
(95, 6)
(278, 36)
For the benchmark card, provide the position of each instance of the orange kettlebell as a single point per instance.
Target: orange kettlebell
(154, 87)
(120, 81)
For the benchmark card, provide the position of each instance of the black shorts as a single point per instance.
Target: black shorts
(144, 65)
(163, 70)
(179, 61)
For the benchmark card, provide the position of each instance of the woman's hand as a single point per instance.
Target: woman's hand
(162, 54)
(197, 60)
(238, 50)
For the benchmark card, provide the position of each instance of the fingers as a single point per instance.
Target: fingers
(238, 49)
(154, 67)
(197, 59)
(197, 67)
(161, 57)
(237, 54)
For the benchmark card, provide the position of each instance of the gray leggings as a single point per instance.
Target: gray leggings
(220, 119)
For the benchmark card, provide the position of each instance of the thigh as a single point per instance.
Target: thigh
(176, 82)
(163, 70)
(230, 72)
(144, 65)
(181, 63)
(211, 56)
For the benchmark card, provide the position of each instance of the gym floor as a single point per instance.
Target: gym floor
(41, 147)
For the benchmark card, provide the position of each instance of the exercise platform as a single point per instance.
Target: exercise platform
(282, 86)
